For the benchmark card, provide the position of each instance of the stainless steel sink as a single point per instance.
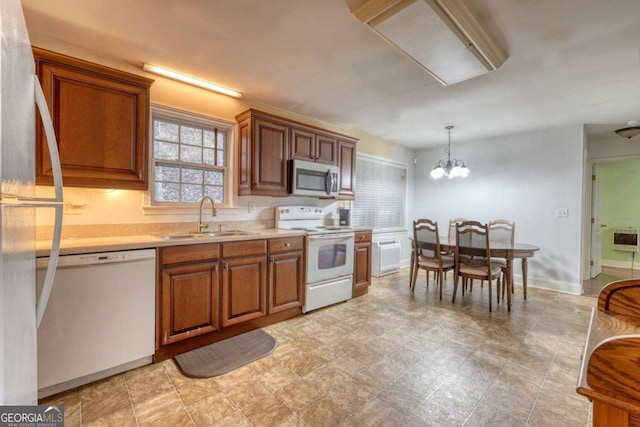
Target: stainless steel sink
(181, 236)
(207, 234)
(228, 233)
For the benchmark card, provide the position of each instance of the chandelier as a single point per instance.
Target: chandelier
(450, 168)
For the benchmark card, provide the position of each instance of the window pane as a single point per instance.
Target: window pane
(208, 138)
(189, 135)
(192, 176)
(166, 192)
(189, 157)
(208, 156)
(165, 131)
(217, 193)
(165, 150)
(214, 177)
(191, 192)
(190, 154)
(168, 173)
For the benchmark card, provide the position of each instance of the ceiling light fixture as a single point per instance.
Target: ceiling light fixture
(632, 129)
(190, 80)
(450, 168)
(445, 37)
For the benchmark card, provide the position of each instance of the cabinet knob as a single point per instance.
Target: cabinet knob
(287, 245)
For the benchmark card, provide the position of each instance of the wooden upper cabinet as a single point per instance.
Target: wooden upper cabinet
(313, 146)
(266, 143)
(327, 149)
(303, 144)
(263, 149)
(100, 118)
(347, 163)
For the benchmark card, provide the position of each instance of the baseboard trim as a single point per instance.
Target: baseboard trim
(564, 287)
(618, 264)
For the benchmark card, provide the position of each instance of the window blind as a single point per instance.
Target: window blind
(381, 188)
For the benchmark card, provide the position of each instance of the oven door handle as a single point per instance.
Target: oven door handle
(332, 237)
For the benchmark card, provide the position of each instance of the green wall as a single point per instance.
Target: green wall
(621, 205)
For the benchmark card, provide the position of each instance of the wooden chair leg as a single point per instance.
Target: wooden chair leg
(489, 296)
(455, 288)
(414, 276)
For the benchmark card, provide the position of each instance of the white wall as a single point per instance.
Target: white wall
(523, 178)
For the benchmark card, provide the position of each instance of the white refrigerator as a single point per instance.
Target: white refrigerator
(20, 313)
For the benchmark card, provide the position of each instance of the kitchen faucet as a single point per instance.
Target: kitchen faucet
(201, 225)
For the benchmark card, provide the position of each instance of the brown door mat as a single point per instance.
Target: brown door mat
(225, 356)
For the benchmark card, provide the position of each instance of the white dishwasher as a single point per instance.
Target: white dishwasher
(100, 318)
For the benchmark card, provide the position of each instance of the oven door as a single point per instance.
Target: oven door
(329, 256)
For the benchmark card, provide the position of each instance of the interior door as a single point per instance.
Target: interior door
(596, 221)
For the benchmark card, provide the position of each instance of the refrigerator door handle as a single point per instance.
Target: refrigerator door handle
(52, 144)
(53, 263)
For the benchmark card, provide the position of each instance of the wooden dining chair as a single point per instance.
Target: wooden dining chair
(427, 253)
(473, 257)
(503, 232)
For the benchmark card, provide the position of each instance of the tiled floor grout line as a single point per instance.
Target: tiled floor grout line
(175, 390)
(544, 380)
(133, 407)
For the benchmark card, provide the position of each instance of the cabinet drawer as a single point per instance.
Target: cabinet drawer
(244, 248)
(286, 244)
(363, 236)
(189, 253)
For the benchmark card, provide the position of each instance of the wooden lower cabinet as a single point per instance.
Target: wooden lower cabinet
(244, 295)
(210, 292)
(362, 263)
(286, 281)
(190, 305)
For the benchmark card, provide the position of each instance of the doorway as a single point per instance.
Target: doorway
(614, 206)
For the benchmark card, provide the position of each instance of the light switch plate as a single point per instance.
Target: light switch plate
(562, 212)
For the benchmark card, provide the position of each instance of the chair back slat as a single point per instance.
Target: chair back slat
(425, 238)
(472, 242)
(502, 231)
(452, 227)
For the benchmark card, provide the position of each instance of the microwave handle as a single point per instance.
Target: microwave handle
(328, 182)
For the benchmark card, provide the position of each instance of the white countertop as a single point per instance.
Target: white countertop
(72, 246)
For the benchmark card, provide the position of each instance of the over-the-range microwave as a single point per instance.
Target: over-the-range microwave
(313, 179)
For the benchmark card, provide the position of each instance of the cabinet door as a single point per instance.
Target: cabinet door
(347, 164)
(189, 301)
(303, 144)
(270, 146)
(244, 287)
(286, 281)
(362, 268)
(327, 149)
(100, 118)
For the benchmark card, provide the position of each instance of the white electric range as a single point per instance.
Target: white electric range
(329, 249)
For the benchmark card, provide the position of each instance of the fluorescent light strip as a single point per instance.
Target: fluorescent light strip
(190, 80)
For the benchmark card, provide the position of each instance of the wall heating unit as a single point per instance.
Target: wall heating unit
(385, 257)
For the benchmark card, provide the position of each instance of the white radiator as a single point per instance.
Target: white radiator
(385, 258)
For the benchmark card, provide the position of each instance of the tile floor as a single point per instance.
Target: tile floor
(592, 287)
(391, 358)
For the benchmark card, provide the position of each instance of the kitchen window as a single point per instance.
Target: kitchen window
(190, 157)
(381, 194)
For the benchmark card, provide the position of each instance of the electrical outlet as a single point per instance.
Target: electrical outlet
(252, 207)
(562, 212)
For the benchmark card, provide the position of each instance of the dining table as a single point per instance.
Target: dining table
(503, 250)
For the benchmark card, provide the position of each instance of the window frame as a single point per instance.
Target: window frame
(184, 117)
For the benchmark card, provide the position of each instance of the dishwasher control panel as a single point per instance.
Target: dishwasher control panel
(100, 258)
